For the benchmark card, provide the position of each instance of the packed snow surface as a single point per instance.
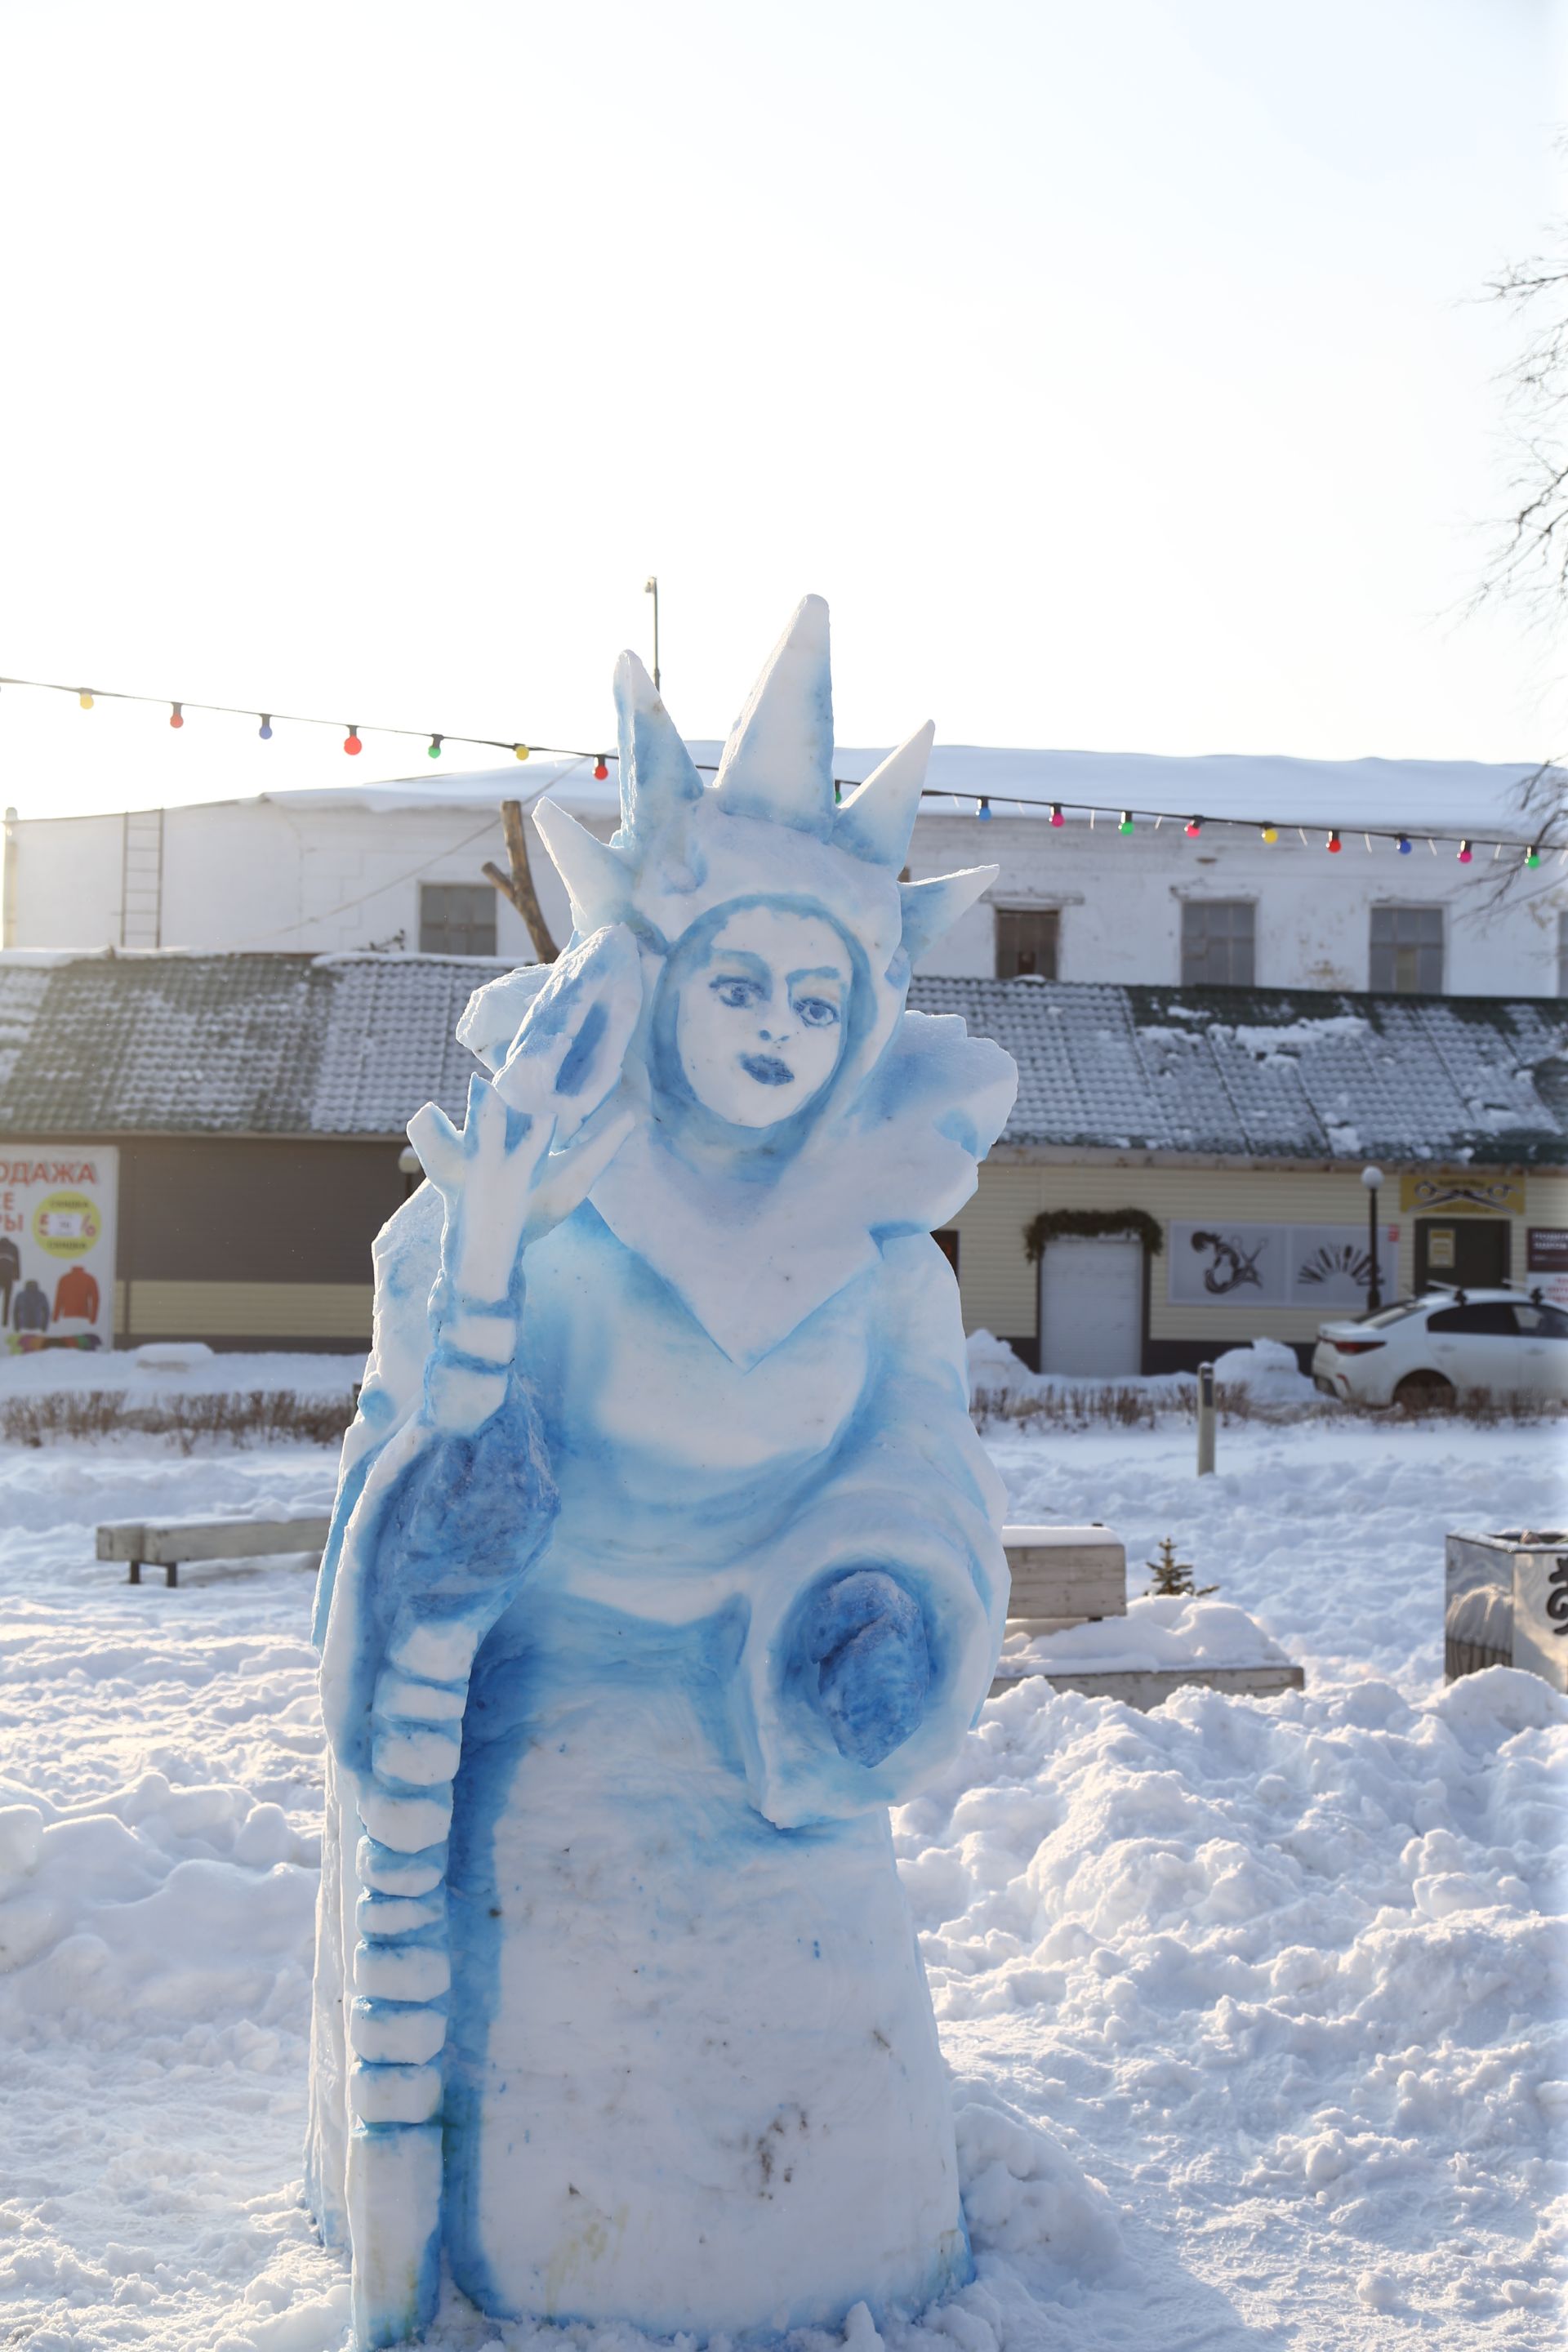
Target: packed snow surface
(1249, 2003)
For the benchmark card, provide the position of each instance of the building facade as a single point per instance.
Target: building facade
(400, 866)
(1182, 1171)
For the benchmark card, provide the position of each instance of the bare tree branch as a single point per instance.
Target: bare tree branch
(1529, 566)
(518, 885)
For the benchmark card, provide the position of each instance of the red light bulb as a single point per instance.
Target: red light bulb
(176, 716)
(352, 743)
(1464, 853)
(1333, 845)
(601, 770)
(1194, 826)
(1056, 816)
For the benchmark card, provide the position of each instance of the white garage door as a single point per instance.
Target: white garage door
(1091, 1307)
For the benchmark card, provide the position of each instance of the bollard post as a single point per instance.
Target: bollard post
(1206, 1420)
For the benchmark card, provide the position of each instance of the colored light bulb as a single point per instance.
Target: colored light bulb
(176, 716)
(1126, 824)
(1464, 853)
(1194, 826)
(352, 743)
(435, 751)
(601, 770)
(85, 699)
(1056, 816)
(1334, 845)
(984, 811)
(1532, 857)
(1404, 844)
(1270, 832)
(265, 730)
(520, 750)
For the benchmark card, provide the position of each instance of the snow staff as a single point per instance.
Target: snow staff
(665, 1559)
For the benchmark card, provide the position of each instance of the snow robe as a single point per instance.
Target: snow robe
(688, 2066)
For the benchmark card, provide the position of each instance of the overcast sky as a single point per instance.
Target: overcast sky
(1112, 369)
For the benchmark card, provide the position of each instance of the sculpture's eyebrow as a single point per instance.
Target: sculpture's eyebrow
(754, 964)
(818, 972)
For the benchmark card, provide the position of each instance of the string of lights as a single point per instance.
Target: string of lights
(435, 738)
(1267, 828)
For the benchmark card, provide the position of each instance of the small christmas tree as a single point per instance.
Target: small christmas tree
(1172, 1577)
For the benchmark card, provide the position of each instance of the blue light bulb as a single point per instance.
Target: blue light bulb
(265, 730)
(1403, 846)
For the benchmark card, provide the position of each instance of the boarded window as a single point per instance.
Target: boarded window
(1406, 950)
(1026, 941)
(456, 919)
(1217, 942)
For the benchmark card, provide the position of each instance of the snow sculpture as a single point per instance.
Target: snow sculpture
(665, 1558)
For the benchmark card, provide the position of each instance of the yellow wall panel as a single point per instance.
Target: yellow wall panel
(999, 1287)
(251, 1311)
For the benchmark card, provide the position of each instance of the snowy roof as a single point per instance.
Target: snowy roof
(233, 1045)
(1274, 1072)
(352, 1044)
(1450, 795)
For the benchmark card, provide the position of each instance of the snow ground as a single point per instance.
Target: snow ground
(1251, 2002)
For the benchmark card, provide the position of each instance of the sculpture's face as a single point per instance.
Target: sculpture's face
(759, 1019)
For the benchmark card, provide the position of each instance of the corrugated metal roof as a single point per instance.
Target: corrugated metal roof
(1274, 1072)
(299, 1044)
(226, 1045)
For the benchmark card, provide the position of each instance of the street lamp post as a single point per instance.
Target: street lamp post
(650, 588)
(1372, 1177)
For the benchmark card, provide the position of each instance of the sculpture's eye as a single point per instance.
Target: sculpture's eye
(816, 1012)
(734, 990)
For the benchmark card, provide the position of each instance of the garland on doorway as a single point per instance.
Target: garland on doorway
(1090, 1224)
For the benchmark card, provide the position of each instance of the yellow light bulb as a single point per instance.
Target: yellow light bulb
(521, 750)
(85, 699)
(1270, 832)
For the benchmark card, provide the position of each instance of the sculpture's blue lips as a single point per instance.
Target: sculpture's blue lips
(767, 1070)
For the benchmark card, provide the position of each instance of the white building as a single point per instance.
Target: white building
(401, 866)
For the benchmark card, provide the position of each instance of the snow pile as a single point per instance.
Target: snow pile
(995, 1369)
(1174, 1629)
(1270, 1375)
(1249, 2002)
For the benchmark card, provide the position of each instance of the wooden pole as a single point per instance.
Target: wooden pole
(518, 885)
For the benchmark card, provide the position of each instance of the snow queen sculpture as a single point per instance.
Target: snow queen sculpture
(665, 1558)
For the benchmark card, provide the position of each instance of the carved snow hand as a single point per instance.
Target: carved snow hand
(533, 1142)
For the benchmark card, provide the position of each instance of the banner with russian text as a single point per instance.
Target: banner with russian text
(57, 1247)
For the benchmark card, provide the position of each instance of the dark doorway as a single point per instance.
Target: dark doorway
(1471, 1252)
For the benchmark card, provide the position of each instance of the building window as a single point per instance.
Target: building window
(1217, 942)
(1026, 941)
(1406, 957)
(456, 919)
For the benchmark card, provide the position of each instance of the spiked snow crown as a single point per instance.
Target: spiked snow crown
(768, 823)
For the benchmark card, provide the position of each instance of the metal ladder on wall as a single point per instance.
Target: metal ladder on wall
(141, 878)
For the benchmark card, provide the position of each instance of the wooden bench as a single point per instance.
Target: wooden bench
(1076, 1576)
(1064, 1576)
(165, 1543)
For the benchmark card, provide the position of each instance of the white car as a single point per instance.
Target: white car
(1431, 1350)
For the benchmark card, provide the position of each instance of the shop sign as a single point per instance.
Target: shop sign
(57, 1247)
(1456, 1192)
(1218, 1263)
(1546, 1261)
